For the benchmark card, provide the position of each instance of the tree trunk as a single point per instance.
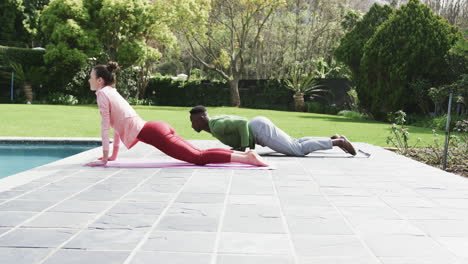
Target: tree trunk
(299, 105)
(28, 93)
(234, 92)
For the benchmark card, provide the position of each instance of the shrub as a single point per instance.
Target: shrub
(22, 56)
(315, 107)
(353, 115)
(63, 99)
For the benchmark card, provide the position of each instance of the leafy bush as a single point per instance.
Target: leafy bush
(22, 56)
(437, 123)
(353, 115)
(315, 107)
(136, 101)
(63, 99)
(267, 94)
(432, 152)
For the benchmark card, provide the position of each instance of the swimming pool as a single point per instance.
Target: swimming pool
(15, 158)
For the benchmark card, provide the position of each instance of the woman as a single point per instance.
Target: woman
(130, 128)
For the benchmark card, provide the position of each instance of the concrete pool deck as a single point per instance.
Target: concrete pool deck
(324, 208)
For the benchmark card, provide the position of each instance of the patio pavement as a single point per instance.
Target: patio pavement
(324, 208)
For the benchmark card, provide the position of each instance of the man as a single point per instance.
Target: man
(239, 133)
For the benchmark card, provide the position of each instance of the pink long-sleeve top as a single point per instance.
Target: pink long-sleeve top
(118, 114)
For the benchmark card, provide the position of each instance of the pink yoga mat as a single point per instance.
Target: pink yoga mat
(139, 163)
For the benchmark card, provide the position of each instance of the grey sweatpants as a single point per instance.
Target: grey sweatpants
(267, 134)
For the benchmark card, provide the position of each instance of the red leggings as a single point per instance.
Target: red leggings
(163, 137)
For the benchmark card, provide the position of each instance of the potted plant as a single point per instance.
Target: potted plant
(302, 84)
(27, 76)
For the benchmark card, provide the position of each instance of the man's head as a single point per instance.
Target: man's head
(199, 118)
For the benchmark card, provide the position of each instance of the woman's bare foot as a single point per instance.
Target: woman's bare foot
(256, 159)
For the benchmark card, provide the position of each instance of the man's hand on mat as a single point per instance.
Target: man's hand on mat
(97, 163)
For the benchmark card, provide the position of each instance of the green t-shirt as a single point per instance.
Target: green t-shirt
(233, 131)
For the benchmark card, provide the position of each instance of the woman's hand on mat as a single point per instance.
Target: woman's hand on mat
(111, 158)
(97, 163)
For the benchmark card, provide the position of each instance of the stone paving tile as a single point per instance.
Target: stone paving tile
(386, 227)
(319, 226)
(150, 208)
(25, 205)
(208, 184)
(419, 260)
(99, 195)
(175, 241)
(147, 197)
(145, 257)
(12, 219)
(254, 243)
(408, 201)
(78, 206)
(124, 221)
(329, 246)
(357, 201)
(26, 237)
(293, 200)
(434, 213)
(210, 198)
(340, 260)
(88, 257)
(370, 213)
(249, 259)
(457, 245)
(10, 194)
(452, 202)
(43, 195)
(22, 255)
(444, 228)
(60, 220)
(406, 246)
(262, 200)
(253, 218)
(108, 239)
(188, 223)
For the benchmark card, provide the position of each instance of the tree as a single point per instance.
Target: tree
(351, 48)
(12, 32)
(32, 13)
(71, 38)
(131, 32)
(411, 45)
(301, 32)
(222, 33)
(135, 34)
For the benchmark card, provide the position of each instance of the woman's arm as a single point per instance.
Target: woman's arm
(103, 103)
(116, 144)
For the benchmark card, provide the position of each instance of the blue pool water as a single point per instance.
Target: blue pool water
(15, 158)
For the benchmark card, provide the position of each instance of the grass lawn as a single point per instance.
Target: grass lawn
(84, 121)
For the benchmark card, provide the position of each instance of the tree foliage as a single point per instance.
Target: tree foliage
(409, 46)
(66, 27)
(221, 34)
(12, 32)
(351, 48)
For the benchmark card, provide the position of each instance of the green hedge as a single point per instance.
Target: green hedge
(265, 94)
(22, 56)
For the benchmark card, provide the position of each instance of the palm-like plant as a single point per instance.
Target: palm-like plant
(303, 84)
(28, 76)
